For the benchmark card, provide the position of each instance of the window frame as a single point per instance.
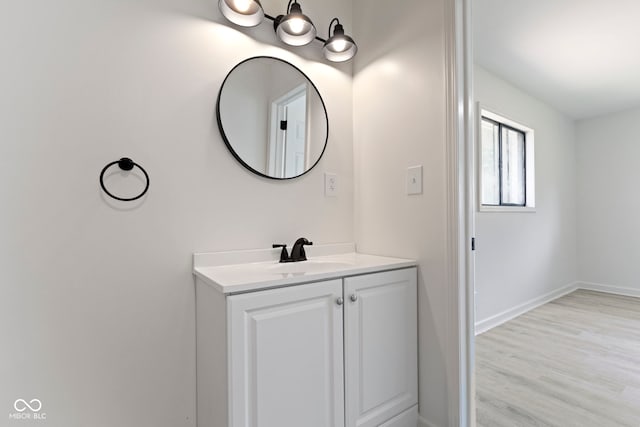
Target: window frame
(529, 161)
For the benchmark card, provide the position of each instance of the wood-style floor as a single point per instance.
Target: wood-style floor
(572, 362)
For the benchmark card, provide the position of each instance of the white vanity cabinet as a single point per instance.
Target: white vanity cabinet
(285, 354)
(380, 328)
(331, 353)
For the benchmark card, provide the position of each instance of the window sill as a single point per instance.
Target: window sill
(512, 209)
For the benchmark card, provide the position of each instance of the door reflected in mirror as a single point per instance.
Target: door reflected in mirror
(272, 118)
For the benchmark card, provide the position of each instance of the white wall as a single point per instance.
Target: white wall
(608, 203)
(96, 296)
(523, 256)
(399, 121)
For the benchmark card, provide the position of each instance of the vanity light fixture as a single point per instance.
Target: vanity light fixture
(246, 13)
(294, 28)
(339, 47)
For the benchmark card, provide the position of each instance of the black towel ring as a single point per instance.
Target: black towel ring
(126, 164)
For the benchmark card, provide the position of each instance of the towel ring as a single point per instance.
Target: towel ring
(126, 164)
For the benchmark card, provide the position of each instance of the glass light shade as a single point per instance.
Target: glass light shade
(296, 29)
(246, 13)
(339, 47)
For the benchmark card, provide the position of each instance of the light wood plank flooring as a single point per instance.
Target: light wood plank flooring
(572, 362)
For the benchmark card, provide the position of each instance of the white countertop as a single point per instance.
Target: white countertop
(252, 276)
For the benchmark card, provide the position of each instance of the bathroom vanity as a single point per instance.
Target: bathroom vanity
(328, 342)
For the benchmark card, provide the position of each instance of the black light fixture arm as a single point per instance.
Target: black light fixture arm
(337, 21)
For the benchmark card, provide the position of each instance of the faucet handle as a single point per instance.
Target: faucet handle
(284, 255)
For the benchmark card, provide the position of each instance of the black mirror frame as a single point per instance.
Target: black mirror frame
(226, 139)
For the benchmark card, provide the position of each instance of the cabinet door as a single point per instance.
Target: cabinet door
(381, 373)
(286, 357)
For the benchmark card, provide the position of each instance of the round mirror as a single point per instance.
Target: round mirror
(272, 118)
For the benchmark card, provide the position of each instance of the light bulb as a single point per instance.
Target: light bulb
(296, 25)
(339, 45)
(242, 6)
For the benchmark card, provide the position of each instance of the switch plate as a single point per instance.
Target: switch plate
(330, 184)
(414, 180)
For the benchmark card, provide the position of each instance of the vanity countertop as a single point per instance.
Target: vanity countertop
(226, 272)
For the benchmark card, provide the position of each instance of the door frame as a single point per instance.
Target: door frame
(460, 212)
(276, 157)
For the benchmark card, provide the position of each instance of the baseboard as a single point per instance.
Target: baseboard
(423, 422)
(512, 313)
(609, 289)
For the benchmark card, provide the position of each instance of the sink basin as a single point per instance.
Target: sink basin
(308, 267)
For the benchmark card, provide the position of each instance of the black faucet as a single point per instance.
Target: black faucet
(297, 252)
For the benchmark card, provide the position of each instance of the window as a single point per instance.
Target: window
(506, 164)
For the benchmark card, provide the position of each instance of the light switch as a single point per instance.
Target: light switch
(414, 180)
(330, 184)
